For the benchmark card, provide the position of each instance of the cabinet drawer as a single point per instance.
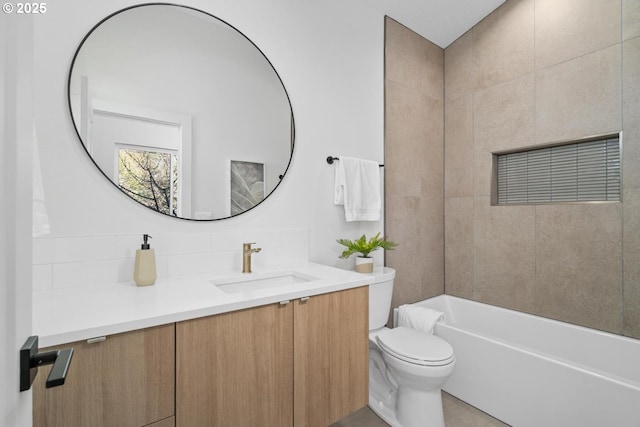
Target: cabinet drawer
(124, 380)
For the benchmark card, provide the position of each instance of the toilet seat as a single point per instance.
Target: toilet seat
(415, 347)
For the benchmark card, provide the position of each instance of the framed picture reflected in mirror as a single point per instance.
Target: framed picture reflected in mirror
(247, 185)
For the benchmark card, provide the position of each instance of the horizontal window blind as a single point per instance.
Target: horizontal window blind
(577, 172)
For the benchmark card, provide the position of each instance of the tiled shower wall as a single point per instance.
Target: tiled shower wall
(414, 170)
(536, 72)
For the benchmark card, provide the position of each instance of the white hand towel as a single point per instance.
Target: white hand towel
(421, 318)
(357, 187)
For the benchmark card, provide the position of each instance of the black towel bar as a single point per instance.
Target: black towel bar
(331, 159)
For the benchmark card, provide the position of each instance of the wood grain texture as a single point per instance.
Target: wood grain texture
(126, 380)
(331, 356)
(235, 369)
(167, 422)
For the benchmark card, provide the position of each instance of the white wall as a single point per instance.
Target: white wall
(330, 57)
(16, 147)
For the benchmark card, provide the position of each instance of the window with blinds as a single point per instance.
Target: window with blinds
(576, 172)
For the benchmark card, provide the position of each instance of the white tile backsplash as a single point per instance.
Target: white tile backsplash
(180, 244)
(233, 240)
(66, 262)
(42, 277)
(126, 246)
(181, 265)
(78, 249)
(124, 269)
(44, 251)
(295, 237)
(84, 274)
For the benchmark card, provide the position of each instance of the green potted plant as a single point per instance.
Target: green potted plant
(364, 263)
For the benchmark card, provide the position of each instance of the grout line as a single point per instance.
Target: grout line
(474, 295)
(622, 239)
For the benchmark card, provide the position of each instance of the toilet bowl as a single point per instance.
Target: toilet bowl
(407, 368)
(419, 363)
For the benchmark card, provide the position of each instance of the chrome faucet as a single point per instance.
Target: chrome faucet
(247, 250)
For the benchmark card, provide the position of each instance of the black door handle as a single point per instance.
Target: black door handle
(30, 360)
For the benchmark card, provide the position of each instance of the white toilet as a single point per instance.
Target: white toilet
(406, 367)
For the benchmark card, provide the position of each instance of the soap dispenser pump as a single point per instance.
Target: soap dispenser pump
(144, 271)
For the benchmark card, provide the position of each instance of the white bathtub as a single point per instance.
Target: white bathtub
(529, 371)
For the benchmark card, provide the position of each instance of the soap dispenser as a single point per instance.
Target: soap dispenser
(144, 271)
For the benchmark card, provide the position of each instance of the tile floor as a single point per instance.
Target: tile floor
(456, 414)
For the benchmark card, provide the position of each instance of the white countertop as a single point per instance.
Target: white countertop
(68, 315)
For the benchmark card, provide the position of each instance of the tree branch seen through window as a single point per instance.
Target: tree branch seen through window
(150, 177)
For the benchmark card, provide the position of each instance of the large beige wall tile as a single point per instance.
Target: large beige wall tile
(579, 98)
(414, 163)
(433, 166)
(631, 182)
(417, 225)
(631, 113)
(401, 225)
(413, 61)
(432, 233)
(458, 246)
(630, 19)
(458, 67)
(631, 272)
(579, 264)
(503, 44)
(458, 147)
(504, 242)
(414, 138)
(414, 122)
(503, 118)
(568, 29)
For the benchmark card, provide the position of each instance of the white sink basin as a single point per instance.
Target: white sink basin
(249, 282)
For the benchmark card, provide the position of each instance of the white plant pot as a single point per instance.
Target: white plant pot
(364, 264)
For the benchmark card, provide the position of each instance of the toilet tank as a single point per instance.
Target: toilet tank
(380, 293)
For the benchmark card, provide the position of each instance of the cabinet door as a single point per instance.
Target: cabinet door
(331, 362)
(125, 380)
(234, 369)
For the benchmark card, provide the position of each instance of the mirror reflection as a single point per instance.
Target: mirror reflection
(181, 111)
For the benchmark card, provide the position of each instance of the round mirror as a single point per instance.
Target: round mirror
(181, 111)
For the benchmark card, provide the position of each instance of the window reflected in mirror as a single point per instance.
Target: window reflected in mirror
(151, 178)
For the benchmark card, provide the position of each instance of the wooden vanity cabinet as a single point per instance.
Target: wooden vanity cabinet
(331, 356)
(301, 363)
(125, 380)
(234, 369)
